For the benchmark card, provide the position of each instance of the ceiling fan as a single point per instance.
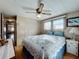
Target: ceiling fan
(39, 9)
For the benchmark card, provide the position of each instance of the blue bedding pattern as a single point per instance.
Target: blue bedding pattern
(59, 55)
(32, 47)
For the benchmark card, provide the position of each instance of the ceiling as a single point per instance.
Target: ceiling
(57, 7)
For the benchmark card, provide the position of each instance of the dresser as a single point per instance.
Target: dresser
(7, 51)
(72, 47)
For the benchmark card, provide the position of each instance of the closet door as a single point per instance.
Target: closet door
(11, 29)
(2, 27)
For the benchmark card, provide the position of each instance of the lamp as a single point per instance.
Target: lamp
(74, 31)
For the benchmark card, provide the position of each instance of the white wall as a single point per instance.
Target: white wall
(26, 27)
(73, 14)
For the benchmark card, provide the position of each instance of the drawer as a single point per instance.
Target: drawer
(70, 43)
(72, 50)
(72, 47)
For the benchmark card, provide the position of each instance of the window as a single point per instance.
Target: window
(58, 24)
(47, 25)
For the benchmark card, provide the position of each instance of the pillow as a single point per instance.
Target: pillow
(57, 33)
(50, 33)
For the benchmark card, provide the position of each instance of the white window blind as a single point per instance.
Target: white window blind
(47, 25)
(58, 24)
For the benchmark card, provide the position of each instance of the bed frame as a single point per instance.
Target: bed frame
(27, 54)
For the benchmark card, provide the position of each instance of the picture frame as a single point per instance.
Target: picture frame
(73, 22)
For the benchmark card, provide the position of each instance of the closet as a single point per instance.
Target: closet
(8, 28)
(11, 28)
(2, 27)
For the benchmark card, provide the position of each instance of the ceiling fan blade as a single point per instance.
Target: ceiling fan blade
(47, 13)
(30, 12)
(44, 10)
(28, 8)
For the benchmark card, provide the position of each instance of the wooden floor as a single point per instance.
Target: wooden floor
(20, 54)
(70, 56)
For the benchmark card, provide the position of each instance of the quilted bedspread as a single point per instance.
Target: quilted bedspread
(44, 46)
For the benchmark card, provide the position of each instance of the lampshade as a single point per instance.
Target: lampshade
(74, 31)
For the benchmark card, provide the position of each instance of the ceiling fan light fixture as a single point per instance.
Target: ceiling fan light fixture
(38, 15)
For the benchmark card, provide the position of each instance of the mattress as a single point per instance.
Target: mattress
(44, 46)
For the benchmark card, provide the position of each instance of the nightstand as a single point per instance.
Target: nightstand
(72, 47)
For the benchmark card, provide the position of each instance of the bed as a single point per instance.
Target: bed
(44, 47)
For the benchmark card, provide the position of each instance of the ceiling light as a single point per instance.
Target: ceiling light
(38, 15)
